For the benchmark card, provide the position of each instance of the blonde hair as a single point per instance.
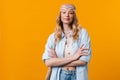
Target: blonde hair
(74, 26)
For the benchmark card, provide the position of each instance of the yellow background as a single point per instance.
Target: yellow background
(26, 24)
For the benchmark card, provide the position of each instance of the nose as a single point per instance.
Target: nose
(67, 14)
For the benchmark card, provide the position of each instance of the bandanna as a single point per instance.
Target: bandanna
(68, 6)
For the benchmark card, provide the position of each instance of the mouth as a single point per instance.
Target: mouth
(67, 19)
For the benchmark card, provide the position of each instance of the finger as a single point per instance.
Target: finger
(53, 52)
(84, 49)
(49, 68)
(84, 54)
(81, 46)
(51, 56)
(50, 53)
(52, 48)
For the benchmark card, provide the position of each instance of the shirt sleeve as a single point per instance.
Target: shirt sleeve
(50, 44)
(85, 39)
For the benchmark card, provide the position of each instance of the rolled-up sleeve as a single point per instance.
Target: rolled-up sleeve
(50, 44)
(85, 39)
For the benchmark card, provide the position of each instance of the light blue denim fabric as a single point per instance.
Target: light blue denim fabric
(68, 74)
(81, 71)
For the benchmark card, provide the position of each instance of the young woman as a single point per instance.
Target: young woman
(68, 49)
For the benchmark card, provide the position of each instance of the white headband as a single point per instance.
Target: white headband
(67, 6)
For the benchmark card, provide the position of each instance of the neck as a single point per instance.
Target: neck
(66, 27)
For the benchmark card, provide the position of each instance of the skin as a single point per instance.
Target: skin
(71, 62)
(66, 18)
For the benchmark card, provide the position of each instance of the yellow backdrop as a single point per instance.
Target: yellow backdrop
(26, 24)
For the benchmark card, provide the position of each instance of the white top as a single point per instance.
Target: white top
(68, 47)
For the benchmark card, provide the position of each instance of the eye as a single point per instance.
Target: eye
(71, 12)
(64, 12)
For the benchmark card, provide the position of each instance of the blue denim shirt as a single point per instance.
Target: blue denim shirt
(81, 71)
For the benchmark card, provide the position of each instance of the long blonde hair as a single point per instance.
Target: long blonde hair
(59, 28)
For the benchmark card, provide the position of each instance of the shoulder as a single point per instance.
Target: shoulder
(51, 37)
(83, 30)
(83, 33)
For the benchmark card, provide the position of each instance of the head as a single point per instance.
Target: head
(67, 12)
(67, 15)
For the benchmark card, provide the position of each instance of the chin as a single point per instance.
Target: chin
(66, 22)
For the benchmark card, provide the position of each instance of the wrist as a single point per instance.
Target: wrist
(70, 59)
(73, 58)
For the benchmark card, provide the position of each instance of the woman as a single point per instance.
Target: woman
(68, 49)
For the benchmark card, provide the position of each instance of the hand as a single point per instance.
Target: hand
(53, 53)
(49, 68)
(80, 52)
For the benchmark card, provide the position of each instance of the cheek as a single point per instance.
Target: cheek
(71, 17)
(61, 18)
(62, 15)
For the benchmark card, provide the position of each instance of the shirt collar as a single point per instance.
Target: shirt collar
(63, 34)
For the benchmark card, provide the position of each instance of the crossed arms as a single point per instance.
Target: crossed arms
(68, 62)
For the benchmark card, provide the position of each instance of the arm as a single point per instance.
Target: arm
(83, 60)
(76, 63)
(47, 77)
(58, 61)
(85, 39)
(71, 61)
(50, 61)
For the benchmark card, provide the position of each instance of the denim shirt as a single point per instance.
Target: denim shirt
(81, 71)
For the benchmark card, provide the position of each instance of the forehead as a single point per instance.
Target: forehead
(69, 10)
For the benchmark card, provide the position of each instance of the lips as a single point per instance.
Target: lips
(66, 18)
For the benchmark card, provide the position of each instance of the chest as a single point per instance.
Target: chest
(61, 46)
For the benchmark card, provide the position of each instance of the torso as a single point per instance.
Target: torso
(68, 51)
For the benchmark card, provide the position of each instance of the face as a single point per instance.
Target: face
(67, 16)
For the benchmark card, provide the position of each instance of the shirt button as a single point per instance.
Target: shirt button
(69, 53)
